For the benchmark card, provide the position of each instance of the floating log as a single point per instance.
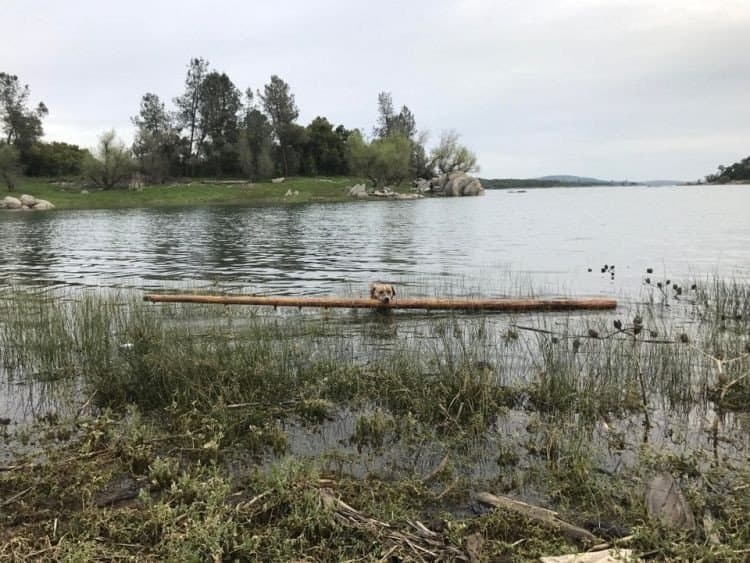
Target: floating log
(433, 303)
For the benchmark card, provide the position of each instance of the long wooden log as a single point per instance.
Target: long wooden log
(444, 303)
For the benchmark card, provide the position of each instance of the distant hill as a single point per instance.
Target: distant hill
(569, 179)
(660, 183)
(558, 181)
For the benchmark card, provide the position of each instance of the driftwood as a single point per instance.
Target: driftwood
(542, 516)
(606, 556)
(438, 303)
(420, 542)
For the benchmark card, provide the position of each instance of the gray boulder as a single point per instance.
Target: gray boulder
(12, 202)
(28, 200)
(421, 185)
(358, 190)
(458, 184)
(42, 205)
(277, 180)
(473, 188)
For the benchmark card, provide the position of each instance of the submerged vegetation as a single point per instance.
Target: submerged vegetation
(198, 433)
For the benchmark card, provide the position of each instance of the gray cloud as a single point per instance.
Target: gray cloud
(618, 89)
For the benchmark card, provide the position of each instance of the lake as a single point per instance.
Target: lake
(505, 242)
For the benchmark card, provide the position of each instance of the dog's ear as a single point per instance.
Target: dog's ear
(393, 290)
(372, 291)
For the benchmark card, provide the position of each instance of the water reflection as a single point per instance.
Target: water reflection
(548, 238)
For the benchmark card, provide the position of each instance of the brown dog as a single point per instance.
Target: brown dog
(383, 292)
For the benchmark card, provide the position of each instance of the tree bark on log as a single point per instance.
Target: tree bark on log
(430, 303)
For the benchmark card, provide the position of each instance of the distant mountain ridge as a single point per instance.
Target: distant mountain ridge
(570, 179)
(567, 181)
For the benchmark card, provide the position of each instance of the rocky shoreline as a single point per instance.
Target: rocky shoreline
(25, 202)
(456, 184)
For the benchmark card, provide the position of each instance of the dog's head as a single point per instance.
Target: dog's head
(383, 292)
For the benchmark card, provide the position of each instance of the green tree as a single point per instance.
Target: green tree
(21, 126)
(737, 172)
(450, 156)
(219, 108)
(281, 109)
(111, 162)
(188, 109)
(10, 166)
(255, 142)
(385, 115)
(55, 159)
(402, 124)
(326, 148)
(156, 144)
(383, 161)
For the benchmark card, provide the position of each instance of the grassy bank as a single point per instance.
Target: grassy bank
(197, 192)
(198, 433)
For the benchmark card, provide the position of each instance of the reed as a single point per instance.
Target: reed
(240, 428)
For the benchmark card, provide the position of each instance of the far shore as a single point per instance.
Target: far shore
(195, 192)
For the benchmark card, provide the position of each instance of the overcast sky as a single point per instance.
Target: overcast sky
(617, 89)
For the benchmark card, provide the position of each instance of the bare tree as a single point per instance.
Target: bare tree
(111, 162)
(449, 156)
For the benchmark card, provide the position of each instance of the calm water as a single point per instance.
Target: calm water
(544, 238)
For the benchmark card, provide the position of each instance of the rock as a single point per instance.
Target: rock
(84, 192)
(2, 204)
(28, 200)
(277, 180)
(12, 202)
(42, 205)
(358, 191)
(666, 503)
(296, 192)
(288, 193)
(473, 188)
(456, 184)
(409, 196)
(385, 191)
(421, 185)
(136, 182)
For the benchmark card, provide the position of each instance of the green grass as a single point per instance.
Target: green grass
(238, 429)
(198, 192)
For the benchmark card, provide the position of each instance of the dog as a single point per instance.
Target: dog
(383, 292)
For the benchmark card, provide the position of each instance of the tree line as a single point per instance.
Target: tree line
(737, 172)
(213, 129)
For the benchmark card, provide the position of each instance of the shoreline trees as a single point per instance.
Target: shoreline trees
(212, 130)
(737, 172)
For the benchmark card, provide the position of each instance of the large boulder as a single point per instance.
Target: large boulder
(12, 202)
(358, 190)
(459, 184)
(42, 205)
(28, 200)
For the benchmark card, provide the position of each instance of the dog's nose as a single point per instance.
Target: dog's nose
(386, 299)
